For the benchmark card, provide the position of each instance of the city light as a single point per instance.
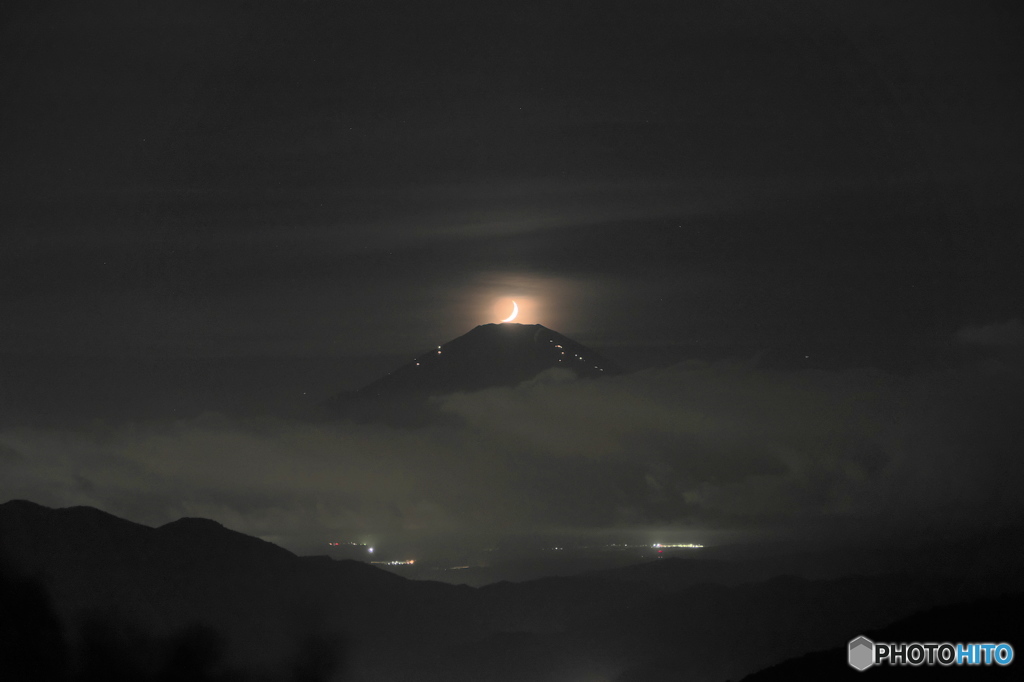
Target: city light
(686, 546)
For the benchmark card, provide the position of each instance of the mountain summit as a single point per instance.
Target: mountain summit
(489, 355)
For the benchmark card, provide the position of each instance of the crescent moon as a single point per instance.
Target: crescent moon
(515, 311)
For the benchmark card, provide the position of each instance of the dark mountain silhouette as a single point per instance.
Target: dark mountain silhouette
(490, 355)
(87, 595)
(266, 605)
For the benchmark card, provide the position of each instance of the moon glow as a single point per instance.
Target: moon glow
(515, 311)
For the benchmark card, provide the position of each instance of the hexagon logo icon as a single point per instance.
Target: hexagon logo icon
(861, 653)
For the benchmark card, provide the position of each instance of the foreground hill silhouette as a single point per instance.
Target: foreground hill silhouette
(87, 595)
(488, 356)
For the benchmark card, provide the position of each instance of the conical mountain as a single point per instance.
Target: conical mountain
(489, 355)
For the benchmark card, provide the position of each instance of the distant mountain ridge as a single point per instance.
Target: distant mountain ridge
(131, 597)
(487, 356)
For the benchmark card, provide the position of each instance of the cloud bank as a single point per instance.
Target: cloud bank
(693, 446)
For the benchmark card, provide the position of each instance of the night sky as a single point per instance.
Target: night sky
(798, 221)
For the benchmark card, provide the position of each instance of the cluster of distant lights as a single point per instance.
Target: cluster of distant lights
(348, 544)
(437, 352)
(688, 545)
(409, 562)
(575, 355)
(406, 562)
(557, 345)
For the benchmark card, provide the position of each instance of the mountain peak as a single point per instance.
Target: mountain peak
(487, 356)
(192, 523)
(22, 506)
